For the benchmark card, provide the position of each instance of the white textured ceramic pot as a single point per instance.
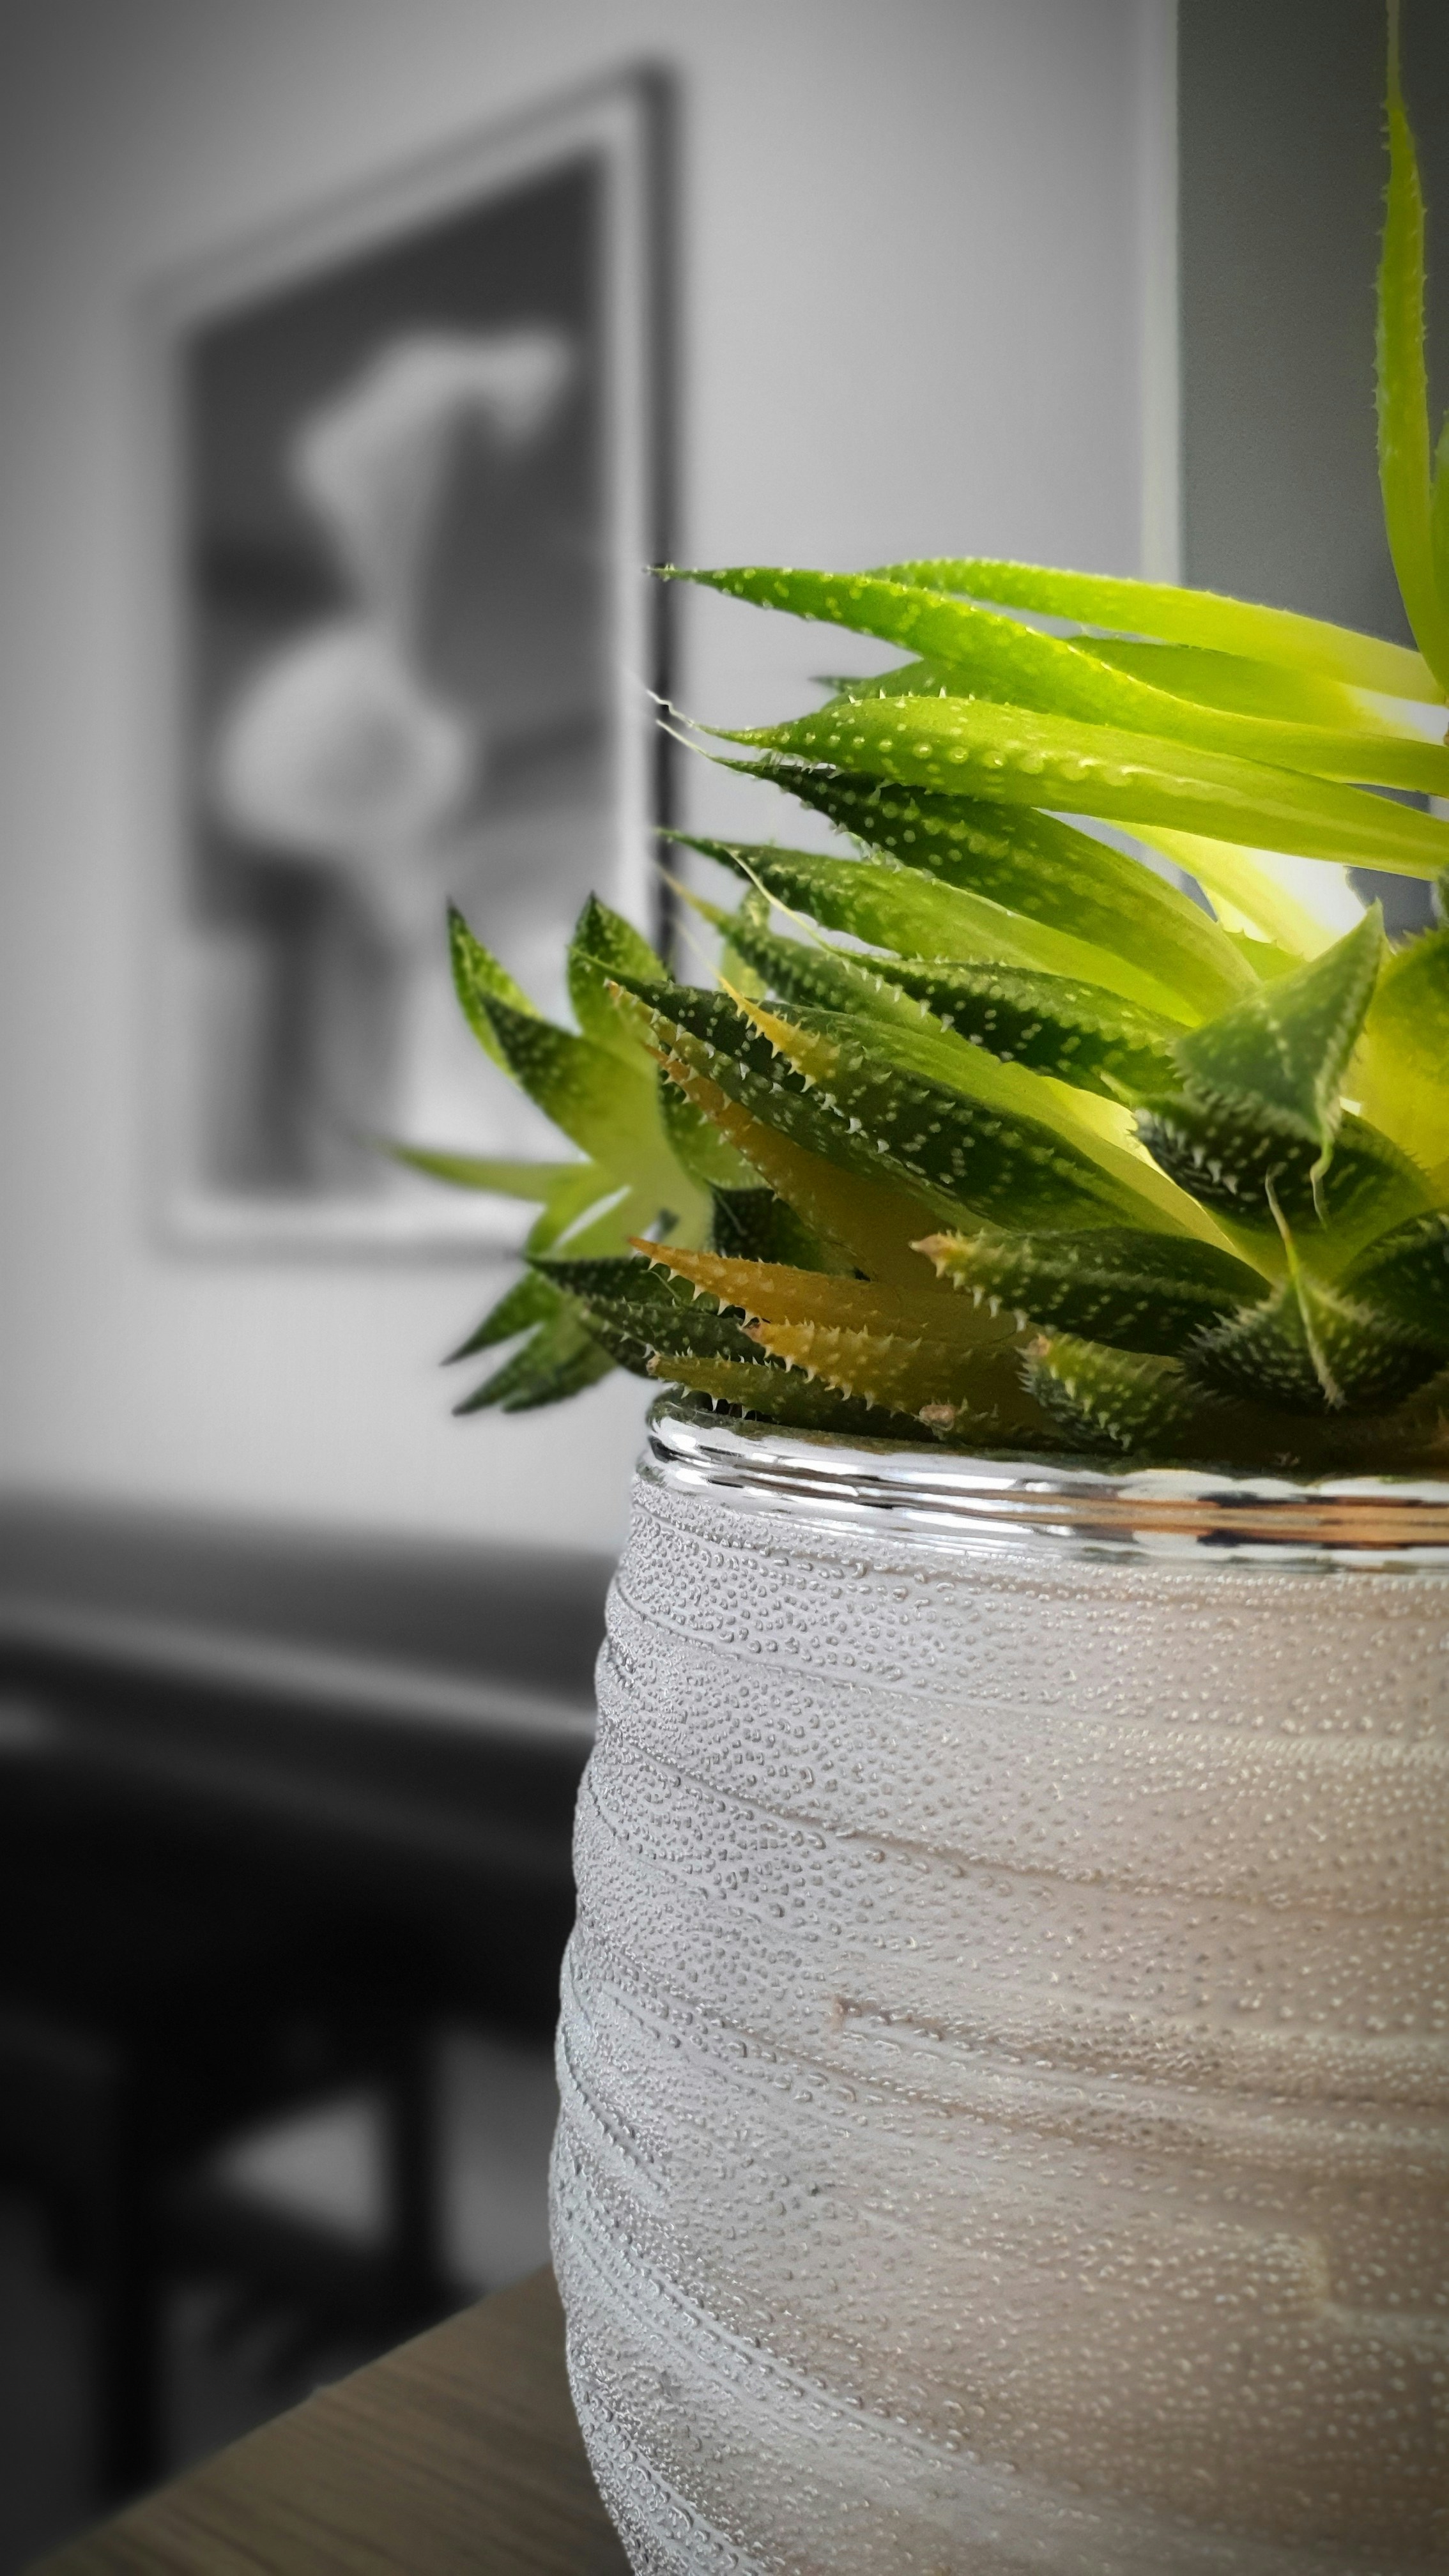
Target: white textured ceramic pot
(1005, 2121)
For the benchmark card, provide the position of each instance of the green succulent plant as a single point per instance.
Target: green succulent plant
(1050, 1155)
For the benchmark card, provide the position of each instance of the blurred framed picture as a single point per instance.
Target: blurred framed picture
(410, 460)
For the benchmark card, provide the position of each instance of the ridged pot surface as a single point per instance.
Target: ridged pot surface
(1003, 2066)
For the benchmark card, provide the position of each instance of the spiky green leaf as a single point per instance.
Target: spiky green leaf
(789, 1397)
(1123, 1400)
(1036, 865)
(1406, 1275)
(1404, 1069)
(1012, 754)
(1075, 1032)
(605, 945)
(697, 1145)
(1278, 1059)
(558, 1360)
(1157, 609)
(638, 1311)
(1143, 1292)
(1314, 1348)
(478, 980)
(1229, 1161)
(756, 1225)
(902, 909)
(1403, 387)
(529, 1301)
(977, 652)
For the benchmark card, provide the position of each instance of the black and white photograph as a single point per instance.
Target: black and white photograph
(413, 488)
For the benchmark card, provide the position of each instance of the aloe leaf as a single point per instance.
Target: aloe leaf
(479, 980)
(1404, 1068)
(973, 1156)
(809, 972)
(558, 1360)
(947, 1386)
(1250, 687)
(1405, 473)
(605, 945)
(696, 1142)
(605, 1105)
(1075, 1032)
(1406, 1275)
(901, 908)
(871, 1223)
(638, 1311)
(529, 1301)
(1017, 756)
(710, 1033)
(767, 1292)
(1123, 1400)
(589, 1204)
(790, 1398)
(1281, 1055)
(1293, 901)
(1036, 865)
(565, 1192)
(1158, 609)
(986, 655)
(1313, 1348)
(1267, 960)
(1229, 1159)
(1143, 1292)
(501, 1174)
(1439, 514)
(758, 1225)
(754, 907)
(993, 1136)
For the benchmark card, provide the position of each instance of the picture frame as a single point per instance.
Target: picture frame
(409, 457)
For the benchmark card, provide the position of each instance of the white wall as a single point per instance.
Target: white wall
(915, 281)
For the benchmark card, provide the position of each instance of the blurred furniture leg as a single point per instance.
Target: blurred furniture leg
(127, 2323)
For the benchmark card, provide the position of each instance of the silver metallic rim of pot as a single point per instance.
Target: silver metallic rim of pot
(1376, 1522)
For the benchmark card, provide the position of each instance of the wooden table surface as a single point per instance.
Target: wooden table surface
(457, 2452)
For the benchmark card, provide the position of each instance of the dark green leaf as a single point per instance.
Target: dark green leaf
(1311, 1348)
(558, 1360)
(1142, 1292)
(1119, 1399)
(789, 1397)
(640, 1306)
(604, 945)
(712, 1163)
(529, 1301)
(754, 1225)
(1406, 1275)
(1403, 388)
(1031, 863)
(1228, 1162)
(1279, 1057)
(1075, 1032)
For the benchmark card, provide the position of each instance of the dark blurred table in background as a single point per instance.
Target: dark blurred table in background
(404, 1720)
(456, 2456)
(276, 1806)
